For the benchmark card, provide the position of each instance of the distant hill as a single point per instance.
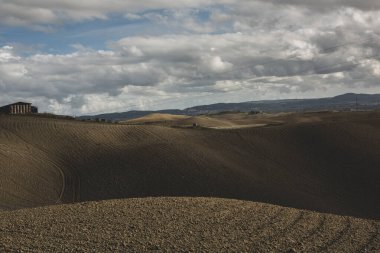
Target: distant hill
(342, 102)
(120, 116)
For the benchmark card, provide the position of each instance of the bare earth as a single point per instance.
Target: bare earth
(183, 225)
(156, 117)
(321, 162)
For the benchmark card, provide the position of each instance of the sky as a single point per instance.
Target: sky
(95, 56)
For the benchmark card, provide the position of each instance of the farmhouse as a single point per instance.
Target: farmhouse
(19, 108)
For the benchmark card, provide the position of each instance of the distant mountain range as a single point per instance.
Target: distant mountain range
(349, 101)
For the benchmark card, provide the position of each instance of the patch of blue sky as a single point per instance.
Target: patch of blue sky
(118, 27)
(97, 33)
(93, 34)
(203, 14)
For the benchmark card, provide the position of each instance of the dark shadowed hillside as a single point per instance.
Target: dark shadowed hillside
(325, 162)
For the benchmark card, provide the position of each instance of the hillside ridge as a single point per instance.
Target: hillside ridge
(318, 162)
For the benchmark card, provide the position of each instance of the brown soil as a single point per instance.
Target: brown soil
(183, 225)
(330, 164)
(325, 162)
(228, 120)
(156, 118)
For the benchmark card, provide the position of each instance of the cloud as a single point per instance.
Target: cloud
(38, 13)
(172, 65)
(43, 15)
(367, 5)
(235, 51)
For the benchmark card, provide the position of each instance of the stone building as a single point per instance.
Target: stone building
(19, 108)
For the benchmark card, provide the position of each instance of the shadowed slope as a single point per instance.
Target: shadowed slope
(329, 165)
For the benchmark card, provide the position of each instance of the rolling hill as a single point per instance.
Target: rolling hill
(329, 165)
(345, 102)
(146, 188)
(183, 225)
